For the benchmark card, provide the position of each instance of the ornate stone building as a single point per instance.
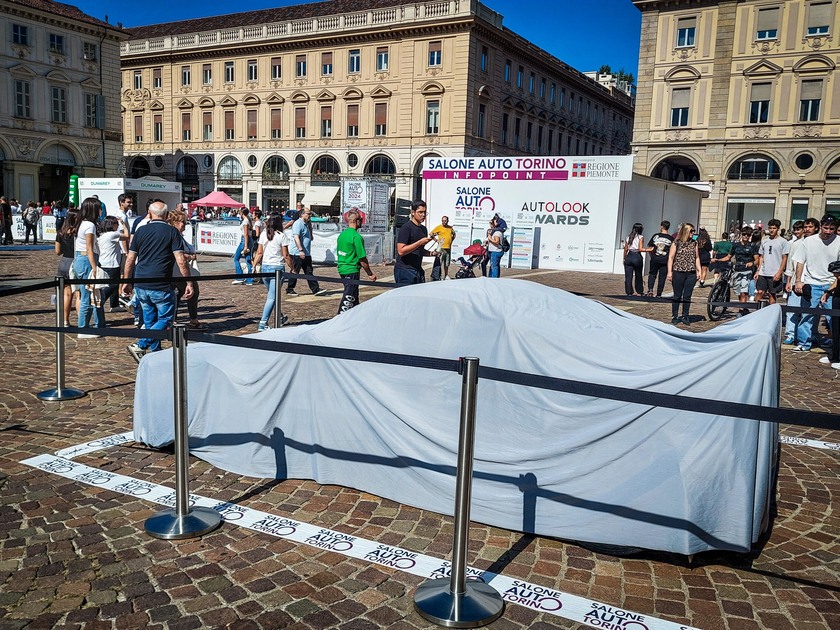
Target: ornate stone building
(741, 96)
(59, 98)
(276, 105)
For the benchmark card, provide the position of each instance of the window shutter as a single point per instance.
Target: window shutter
(275, 118)
(138, 126)
(229, 119)
(811, 90)
(680, 98)
(380, 114)
(820, 14)
(300, 117)
(768, 19)
(760, 92)
(326, 113)
(434, 47)
(185, 121)
(252, 123)
(326, 58)
(207, 119)
(353, 115)
(687, 22)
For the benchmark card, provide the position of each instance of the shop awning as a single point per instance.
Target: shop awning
(320, 196)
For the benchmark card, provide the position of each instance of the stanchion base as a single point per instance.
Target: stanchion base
(479, 605)
(169, 526)
(53, 395)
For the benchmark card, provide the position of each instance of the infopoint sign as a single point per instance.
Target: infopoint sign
(570, 203)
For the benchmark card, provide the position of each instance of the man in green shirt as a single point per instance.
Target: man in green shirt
(351, 256)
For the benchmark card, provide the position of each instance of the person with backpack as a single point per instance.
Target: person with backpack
(31, 219)
(494, 247)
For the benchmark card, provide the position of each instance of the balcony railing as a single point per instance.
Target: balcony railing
(394, 16)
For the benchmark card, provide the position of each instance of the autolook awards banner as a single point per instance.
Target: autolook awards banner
(570, 203)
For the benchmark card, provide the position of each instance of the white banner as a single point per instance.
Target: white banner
(571, 203)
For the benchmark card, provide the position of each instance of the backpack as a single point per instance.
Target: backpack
(505, 244)
(32, 215)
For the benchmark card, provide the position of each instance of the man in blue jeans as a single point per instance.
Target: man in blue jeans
(155, 249)
(411, 240)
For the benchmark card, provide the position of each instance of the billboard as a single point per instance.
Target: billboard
(563, 211)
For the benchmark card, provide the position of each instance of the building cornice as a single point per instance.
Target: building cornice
(81, 26)
(678, 5)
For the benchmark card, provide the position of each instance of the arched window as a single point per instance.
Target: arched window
(677, 169)
(230, 170)
(754, 166)
(186, 170)
(418, 175)
(276, 169)
(139, 168)
(381, 165)
(325, 168)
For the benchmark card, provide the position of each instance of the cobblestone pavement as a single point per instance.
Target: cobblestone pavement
(76, 556)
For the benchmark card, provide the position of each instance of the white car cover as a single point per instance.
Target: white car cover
(551, 463)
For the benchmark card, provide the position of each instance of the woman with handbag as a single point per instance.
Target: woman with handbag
(86, 254)
(634, 245)
(683, 265)
(272, 254)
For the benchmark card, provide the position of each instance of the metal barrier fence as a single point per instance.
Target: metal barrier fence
(460, 603)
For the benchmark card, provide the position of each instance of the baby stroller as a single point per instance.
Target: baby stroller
(475, 252)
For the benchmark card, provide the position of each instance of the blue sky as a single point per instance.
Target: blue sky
(584, 34)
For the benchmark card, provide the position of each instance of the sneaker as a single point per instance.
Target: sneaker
(238, 282)
(675, 320)
(836, 366)
(826, 359)
(685, 320)
(85, 336)
(801, 348)
(789, 341)
(136, 352)
(263, 327)
(284, 319)
(291, 292)
(321, 292)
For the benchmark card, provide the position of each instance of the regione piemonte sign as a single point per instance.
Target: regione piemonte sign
(568, 205)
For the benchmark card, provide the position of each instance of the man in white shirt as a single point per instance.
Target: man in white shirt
(813, 278)
(772, 258)
(801, 230)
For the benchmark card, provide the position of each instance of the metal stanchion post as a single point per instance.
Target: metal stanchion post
(278, 290)
(60, 392)
(182, 522)
(461, 604)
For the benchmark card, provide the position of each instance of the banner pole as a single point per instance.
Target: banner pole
(182, 522)
(278, 286)
(461, 604)
(60, 392)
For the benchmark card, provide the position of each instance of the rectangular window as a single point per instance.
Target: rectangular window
(550, 147)
(759, 103)
(138, 79)
(433, 117)
(23, 99)
(251, 119)
(809, 100)
(229, 72)
(505, 123)
(138, 129)
(157, 80)
(230, 124)
(326, 121)
(57, 43)
(59, 105)
(89, 51)
(484, 60)
(680, 98)
(819, 18)
(300, 122)
(435, 53)
(539, 139)
(685, 31)
(520, 77)
(186, 126)
(207, 126)
(507, 71)
(382, 59)
(768, 23)
(562, 97)
(517, 132)
(552, 93)
(482, 119)
(354, 61)
(528, 136)
(276, 123)
(158, 125)
(276, 69)
(20, 34)
(300, 66)
(542, 89)
(326, 63)
(352, 121)
(380, 119)
(90, 110)
(185, 75)
(207, 74)
(252, 70)
(532, 82)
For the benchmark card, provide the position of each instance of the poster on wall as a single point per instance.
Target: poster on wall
(371, 198)
(570, 204)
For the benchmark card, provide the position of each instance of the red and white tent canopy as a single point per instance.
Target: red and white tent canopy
(216, 199)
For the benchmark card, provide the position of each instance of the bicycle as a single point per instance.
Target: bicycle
(720, 293)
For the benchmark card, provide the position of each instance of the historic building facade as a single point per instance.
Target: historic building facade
(59, 98)
(278, 105)
(742, 97)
